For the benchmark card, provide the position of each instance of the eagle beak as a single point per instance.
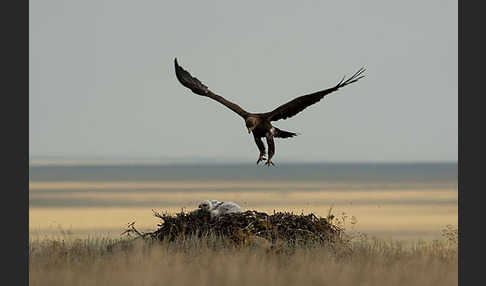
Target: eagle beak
(249, 130)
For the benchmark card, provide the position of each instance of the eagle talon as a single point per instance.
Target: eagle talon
(268, 163)
(261, 159)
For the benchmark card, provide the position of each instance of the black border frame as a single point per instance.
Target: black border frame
(15, 135)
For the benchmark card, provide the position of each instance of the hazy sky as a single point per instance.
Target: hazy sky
(102, 79)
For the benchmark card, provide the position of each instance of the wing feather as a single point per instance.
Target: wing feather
(196, 86)
(300, 103)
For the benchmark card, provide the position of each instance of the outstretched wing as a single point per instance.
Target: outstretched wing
(187, 80)
(298, 104)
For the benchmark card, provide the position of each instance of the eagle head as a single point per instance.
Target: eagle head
(207, 205)
(251, 123)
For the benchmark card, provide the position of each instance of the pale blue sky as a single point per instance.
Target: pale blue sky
(102, 80)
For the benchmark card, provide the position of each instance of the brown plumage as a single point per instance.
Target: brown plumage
(260, 123)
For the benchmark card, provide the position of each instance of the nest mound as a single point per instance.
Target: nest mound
(243, 227)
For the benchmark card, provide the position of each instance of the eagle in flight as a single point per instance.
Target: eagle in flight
(260, 123)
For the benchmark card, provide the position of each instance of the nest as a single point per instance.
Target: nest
(243, 227)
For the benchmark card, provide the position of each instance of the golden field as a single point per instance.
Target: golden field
(396, 233)
(398, 211)
(210, 261)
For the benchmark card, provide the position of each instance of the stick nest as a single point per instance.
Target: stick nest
(243, 227)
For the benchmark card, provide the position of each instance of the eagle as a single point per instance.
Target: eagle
(217, 208)
(260, 124)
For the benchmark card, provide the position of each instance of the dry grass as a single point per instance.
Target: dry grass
(213, 261)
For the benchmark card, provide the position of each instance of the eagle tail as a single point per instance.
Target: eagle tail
(284, 134)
